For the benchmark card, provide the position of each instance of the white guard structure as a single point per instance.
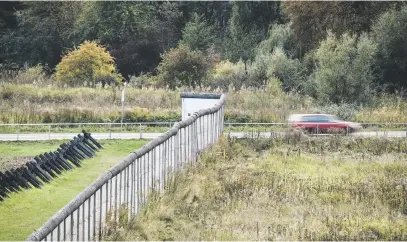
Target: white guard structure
(193, 102)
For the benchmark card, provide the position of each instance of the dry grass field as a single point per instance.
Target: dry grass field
(334, 188)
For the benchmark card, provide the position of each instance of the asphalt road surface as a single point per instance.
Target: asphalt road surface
(62, 136)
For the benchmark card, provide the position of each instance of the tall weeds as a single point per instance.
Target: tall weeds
(35, 103)
(328, 193)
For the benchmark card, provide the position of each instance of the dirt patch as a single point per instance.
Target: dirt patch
(7, 163)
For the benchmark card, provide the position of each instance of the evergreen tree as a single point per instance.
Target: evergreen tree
(198, 34)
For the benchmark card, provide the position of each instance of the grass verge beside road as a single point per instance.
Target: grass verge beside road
(26, 211)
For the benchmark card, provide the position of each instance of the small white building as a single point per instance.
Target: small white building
(193, 102)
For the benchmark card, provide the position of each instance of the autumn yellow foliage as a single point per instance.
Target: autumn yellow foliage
(90, 63)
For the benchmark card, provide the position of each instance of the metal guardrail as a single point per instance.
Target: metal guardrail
(151, 130)
(171, 123)
(128, 184)
(269, 129)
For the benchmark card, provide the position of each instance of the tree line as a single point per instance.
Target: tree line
(333, 51)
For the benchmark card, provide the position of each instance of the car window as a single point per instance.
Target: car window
(316, 119)
(336, 119)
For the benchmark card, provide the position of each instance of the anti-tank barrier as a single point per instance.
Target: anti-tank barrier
(128, 184)
(44, 167)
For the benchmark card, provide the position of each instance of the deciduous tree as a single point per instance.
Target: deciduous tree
(390, 34)
(345, 69)
(90, 63)
(182, 66)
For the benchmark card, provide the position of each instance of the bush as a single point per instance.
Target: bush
(227, 74)
(280, 35)
(257, 71)
(91, 63)
(143, 80)
(289, 71)
(345, 69)
(344, 111)
(182, 67)
(274, 59)
(33, 75)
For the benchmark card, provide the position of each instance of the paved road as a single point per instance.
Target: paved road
(61, 136)
(358, 134)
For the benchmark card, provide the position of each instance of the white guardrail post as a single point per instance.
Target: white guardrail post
(110, 130)
(141, 132)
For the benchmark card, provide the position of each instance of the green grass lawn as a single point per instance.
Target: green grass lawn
(26, 211)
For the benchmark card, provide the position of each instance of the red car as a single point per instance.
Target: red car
(322, 123)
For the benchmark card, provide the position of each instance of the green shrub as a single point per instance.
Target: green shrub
(289, 71)
(90, 63)
(33, 75)
(257, 71)
(344, 111)
(182, 67)
(143, 80)
(281, 36)
(275, 58)
(226, 74)
(344, 72)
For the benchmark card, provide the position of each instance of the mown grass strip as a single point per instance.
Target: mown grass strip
(26, 211)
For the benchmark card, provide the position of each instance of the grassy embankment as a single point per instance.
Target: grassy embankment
(26, 211)
(316, 189)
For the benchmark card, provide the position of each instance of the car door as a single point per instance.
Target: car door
(326, 122)
(310, 122)
(336, 123)
(322, 122)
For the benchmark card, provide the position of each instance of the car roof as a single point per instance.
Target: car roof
(311, 114)
(298, 117)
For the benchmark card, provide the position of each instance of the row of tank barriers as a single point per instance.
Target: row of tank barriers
(44, 167)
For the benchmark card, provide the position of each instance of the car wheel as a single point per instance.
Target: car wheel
(348, 130)
(344, 130)
(310, 130)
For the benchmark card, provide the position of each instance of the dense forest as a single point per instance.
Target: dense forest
(338, 52)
